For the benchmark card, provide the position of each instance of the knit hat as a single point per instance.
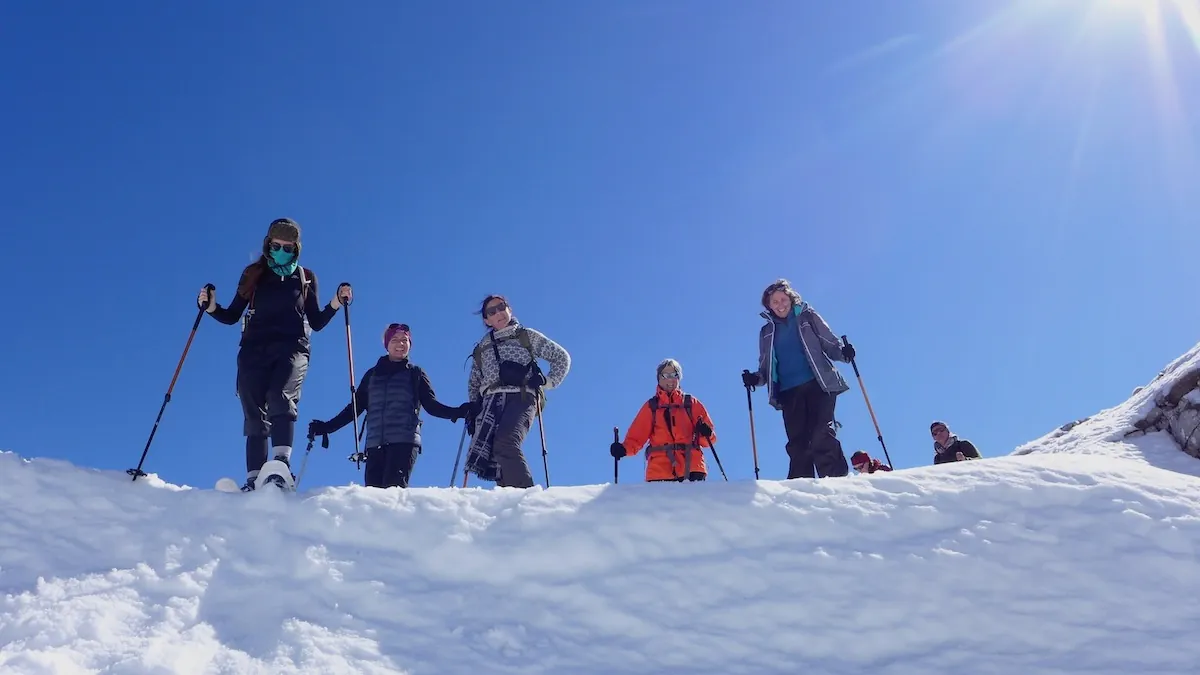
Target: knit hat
(285, 229)
(939, 423)
(391, 331)
(859, 457)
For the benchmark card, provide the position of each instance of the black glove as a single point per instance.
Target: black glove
(537, 380)
(617, 450)
(848, 351)
(703, 428)
(749, 379)
(474, 408)
(317, 428)
(460, 412)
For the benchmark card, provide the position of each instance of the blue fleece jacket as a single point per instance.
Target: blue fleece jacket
(792, 365)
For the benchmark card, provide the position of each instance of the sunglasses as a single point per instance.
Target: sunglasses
(286, 248)
(669, 374)
(401, 326)
(496, 309)
(937, 431)
(860, 467)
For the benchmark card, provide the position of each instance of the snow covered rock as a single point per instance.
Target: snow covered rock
(1157, 421)
(1177, 411)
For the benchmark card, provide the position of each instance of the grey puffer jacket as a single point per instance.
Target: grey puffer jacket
(487, 381)
(821, 347)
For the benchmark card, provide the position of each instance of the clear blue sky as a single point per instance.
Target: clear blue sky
(996, 201)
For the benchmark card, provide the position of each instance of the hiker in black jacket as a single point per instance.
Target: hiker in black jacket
(393, 391)
(280, 300)
(948, 447)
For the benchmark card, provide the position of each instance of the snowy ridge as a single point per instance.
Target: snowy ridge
(1108, 432)
(1076, 556)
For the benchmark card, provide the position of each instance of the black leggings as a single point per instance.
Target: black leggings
(812, 440)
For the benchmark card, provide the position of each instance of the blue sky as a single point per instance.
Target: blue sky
(996, 202)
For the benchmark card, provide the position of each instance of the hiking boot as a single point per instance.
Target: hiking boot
(249, 486)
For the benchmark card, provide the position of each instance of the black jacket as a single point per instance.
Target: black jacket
(950, 453)
(281, 312)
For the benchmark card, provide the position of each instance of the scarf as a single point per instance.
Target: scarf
(479, 458)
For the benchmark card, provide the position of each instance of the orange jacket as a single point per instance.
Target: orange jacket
(667, 464)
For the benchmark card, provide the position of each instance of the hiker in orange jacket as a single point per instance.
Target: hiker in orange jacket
(676, 425)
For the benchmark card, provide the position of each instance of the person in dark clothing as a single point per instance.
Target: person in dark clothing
(950, 448)
(280, 300)
(796, 350)
(392, 392)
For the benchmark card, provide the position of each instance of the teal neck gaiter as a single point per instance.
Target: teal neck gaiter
(283, 263)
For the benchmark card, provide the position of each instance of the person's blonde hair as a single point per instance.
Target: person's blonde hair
(662, 365)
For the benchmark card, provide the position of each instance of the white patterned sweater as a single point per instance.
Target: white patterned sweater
(481, 384)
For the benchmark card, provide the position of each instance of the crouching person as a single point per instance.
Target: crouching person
(677, 427)
(863, 463)
(392, 392)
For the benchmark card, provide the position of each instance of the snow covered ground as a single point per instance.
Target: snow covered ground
(1078, 555)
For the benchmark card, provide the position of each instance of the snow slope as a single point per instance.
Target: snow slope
(1110, 433)
(1078, 556)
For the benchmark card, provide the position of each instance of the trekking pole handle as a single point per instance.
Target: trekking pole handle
(342, 285)
(211, 291)
(853, 362)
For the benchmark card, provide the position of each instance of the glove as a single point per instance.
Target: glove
(848, 351)
(703, 428)
(617, 450)
(474, 408)
(317, 428)
(537, 380)
(460, 412)
(749, 379)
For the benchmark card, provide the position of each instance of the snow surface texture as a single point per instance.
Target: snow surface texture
(1077, 556)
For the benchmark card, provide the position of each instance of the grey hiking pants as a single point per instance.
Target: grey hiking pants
(515, 422)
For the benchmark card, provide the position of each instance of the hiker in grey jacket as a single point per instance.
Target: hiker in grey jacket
(505, 390)
(796, 351)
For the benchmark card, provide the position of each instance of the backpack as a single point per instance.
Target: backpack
(521, 335)
(653, 403)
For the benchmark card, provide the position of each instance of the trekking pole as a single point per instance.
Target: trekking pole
(458, 457)
(167, 398)
(753, 440)
(616, 460)
(713, 446)
(542, 433)
(357, 457)
(863, 388)
(304, 462)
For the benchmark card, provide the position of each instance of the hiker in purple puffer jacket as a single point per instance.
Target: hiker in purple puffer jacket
(796, 350)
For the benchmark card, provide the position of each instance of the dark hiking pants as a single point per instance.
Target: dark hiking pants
(513, 426)
(390, 465)
(269, 379)
(812, 441)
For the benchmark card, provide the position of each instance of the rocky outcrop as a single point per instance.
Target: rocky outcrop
(1177, 411)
